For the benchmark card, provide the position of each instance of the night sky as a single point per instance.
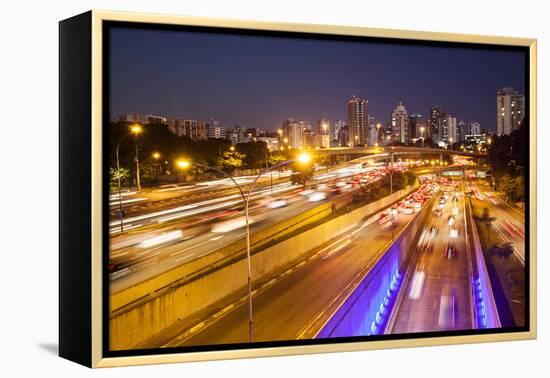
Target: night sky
(259, 81)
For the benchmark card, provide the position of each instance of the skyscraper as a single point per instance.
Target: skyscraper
(400, 124)
(373, 133)
(452, 133)
(463, 129)
(323, 133)
(293, 133)
(357, 121)
(336, 131)
(437, 124)
(418, 127)
(510, 110)
(475, 128)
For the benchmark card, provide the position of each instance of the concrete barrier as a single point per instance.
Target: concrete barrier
(138, 320)
(131, 295)
(486, 311)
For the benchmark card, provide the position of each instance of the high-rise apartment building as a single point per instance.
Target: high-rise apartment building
(335, 132)
(418, 127)
(510, 110)
(437, 124)
(475, 128)
(453, 134)
(400, 124)
(293, 133)
(357, 121)
(215, 130)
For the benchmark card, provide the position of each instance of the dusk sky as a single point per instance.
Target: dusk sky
(259, 81)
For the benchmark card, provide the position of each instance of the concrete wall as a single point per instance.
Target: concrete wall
(142, 319)
(363, 307)
(486, 308)
(212, 261)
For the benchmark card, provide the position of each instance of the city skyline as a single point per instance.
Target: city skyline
(274, 84)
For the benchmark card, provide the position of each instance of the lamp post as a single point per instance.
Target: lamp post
(156, 156)
(422, 135)
(304, 159)
(136, 130)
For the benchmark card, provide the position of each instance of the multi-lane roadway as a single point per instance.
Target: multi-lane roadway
(159, 240)
(437, 295)
(284, 307)
(509, 221)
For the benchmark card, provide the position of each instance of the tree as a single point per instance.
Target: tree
(232, 160)
(519, 189)
(301, 173)
(276, 158)
(115, 174)
(255, 154)
(487, 221)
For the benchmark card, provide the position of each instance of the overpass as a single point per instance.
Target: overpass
(397, 150)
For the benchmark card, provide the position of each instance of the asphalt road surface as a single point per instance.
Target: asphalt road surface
(509, 222)
(283, 310)
(437, 295)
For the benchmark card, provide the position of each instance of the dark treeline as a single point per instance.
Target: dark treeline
(158, 139)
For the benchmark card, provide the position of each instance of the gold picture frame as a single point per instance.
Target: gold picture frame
(94, 256)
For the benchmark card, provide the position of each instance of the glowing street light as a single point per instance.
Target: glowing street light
(232, 148)
(184, 164)
(156, 155)
(136, 129)
(304, 158)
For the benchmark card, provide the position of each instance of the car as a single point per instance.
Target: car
(383, 218)
(454, 232)
(408, 210)
(450, 251)
(316, 197)
(277, 203)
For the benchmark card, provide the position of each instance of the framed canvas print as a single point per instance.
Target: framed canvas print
(236, 188)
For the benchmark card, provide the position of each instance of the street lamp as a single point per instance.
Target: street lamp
(422, 135)
(303, 158)
(135, 130)
(156, 156)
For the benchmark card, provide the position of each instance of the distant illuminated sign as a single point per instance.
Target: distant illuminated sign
(481, 174)
(452, 173)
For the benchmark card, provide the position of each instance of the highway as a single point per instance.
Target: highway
(168, 238)
(437, 295)
(141, 259)
(509, 222)
(172, 195)
(284, 307)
